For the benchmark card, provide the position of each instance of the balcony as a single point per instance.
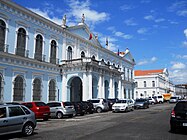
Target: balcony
(4, 47)
(54, 60)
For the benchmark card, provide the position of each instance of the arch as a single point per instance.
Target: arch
(38, 47)
(74, 90)
(18, 89)
(108, 63)
(1, 87)
(116, 89)
(82, 54)
(2, 35)
(21, 42)
(53, 52)
(69, 53)
(94, 87)
(37, 89)
(93, 57)
(106, 89)
(52, 90)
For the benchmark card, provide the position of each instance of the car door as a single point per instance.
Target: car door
(16, 118)
(3, 120)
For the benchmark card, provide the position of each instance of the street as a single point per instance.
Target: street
(142, 124)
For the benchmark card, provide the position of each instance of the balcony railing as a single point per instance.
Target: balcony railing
(54, 60)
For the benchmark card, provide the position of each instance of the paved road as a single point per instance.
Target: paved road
(143, 124)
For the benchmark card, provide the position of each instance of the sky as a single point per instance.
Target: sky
(155, 31)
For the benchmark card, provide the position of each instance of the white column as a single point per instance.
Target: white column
(119, 89)
(122, 91)
(85, 87)
(90, 86)
(64, 88)
(64, 51)
(103, 87)
(111, 94)
(100, 85)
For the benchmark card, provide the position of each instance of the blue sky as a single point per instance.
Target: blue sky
(155, 31)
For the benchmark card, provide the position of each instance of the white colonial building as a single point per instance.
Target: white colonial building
(44, 61)
(150, 83)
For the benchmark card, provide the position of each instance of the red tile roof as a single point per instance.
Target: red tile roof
(147, 72)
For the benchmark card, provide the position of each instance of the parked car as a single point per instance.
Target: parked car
(16, 118)
(41, 110)
(173, 99)
(79, 108)
(131, 103)
(60, 109)
(178, 118)
(122, 105)
(111, 101)
(151, 100)
(100, 105)
(159, 99)
(141, 103)
(89, 107)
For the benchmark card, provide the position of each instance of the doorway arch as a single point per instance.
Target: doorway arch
(106, 89)
(75, 89)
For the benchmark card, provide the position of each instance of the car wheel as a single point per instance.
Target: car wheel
(28, 129)
(59, 115)
(172, 128)
(46, 118)
(99, 110)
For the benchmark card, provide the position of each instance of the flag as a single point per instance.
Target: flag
(106, 41)
(118, 52)
(90, 37)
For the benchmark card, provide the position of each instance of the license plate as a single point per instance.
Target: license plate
(184, 124)
(45, 114)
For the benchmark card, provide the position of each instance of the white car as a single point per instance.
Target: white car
(122, 105)
(151, 100)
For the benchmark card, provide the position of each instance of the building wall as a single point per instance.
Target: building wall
(29, 68)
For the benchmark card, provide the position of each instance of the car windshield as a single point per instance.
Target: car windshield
(173, 98)
(40, 104)
(140, 100)
(121, 101)
(67, 103)
(181, 106)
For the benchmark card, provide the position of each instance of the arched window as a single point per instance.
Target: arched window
(1, 88)
(21, 42)
(144, 82)
(36, 90)
(153, 83)
(82, 54)
(69, 53)
(53, 52)
(52, 90)
(2, 35)
(108, 63)
(38, 48)
(18, 89)
(93, 57)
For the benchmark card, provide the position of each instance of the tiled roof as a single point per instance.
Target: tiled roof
(147, 72)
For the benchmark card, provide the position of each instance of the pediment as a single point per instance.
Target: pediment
(83, 31)
(128, 56)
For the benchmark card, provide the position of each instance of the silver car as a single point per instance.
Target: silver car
(100, 104)
(60, 109)
(16, 118)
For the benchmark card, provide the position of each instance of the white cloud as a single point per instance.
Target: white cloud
(182, 13)
(159, 20)
(181, 56)
(130, 22)
(149, 17)
(185, 32)
(178, 76)
(178, 65)
(179, 8)
(126, 7)
(147, 61)
(46, 15)
(153, 59)
(77, 8)
(142, 30)
(119, 34)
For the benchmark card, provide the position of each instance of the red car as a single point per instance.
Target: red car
(41, 110)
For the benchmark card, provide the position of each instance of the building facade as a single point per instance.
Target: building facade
(44, 61)
(149, 83)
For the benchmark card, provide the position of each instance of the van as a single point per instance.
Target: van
(159, 99)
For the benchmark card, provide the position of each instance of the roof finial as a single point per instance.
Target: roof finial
(83, 18)
(64, 21)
